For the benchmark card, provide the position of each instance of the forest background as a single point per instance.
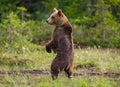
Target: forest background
(96, 23)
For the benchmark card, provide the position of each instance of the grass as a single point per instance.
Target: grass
(86, 60)
(42, 81)
(108, 60)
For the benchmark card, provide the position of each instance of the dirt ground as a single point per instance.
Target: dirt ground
(115, 76)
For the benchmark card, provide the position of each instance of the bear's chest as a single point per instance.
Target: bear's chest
(58, 33)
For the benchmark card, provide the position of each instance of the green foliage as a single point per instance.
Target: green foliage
(95, 23)
(73, 9)
(50, 4)
(19, 36)
(22, 8)
(14, 35)
(97, 30)
(42, 33)
(6, 6)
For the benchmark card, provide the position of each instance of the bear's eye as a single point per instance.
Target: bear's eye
(53, 17)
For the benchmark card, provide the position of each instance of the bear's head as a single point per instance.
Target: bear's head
(57, 18)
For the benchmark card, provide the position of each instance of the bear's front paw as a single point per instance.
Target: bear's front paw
(48, 49)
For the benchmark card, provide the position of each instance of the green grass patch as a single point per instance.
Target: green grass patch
(86, 64)
(107, 60)
(103, 60)
(46, 81)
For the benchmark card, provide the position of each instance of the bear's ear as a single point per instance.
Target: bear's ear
(60, 12)
(54, 9)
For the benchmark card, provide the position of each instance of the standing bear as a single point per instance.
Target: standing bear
(61, 43)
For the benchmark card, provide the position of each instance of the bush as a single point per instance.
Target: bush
(14, 35)
(20, 36)
(17, 35)
(42, 33)
(104, 34)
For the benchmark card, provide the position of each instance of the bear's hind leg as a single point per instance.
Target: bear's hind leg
(54, 73)
(69, 72)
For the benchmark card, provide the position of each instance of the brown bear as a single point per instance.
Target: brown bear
(61, 43)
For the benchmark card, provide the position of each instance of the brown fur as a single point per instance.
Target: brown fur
(62, 44)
